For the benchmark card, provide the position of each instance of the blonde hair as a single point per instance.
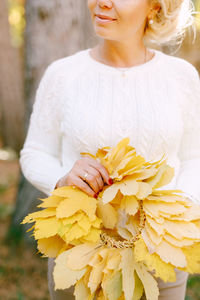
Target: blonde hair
(170, 22)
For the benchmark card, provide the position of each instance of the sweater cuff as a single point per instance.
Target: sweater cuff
(42, 171)
(48, 185)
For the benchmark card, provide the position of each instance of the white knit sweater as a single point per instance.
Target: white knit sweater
(82, 105)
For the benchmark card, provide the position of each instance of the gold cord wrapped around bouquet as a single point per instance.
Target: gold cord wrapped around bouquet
(113, 242)
(110, 245)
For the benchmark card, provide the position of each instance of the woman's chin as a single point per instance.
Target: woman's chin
(103, 33)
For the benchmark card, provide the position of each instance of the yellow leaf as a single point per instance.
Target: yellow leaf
(149, 283)
(88, 154)
(67, 192)
(144, 189)
(44, 213)
(163, 208)
(110, 192)
(116, 202)
(192, 213)
(128, 279)
(148, 212)
(93, 236)
(101, 152)
(167, 192)
(70, 206)
(74, 243)
(192, 254)
(165, 198)
(104, 252)
(171, 254)
(129, 165)
(101, 296)
(75, 232)
(127, 187)
(131, 205)
(166, 177)
(150, 245)
(96, 259)
(107, 214)
(63, 230)
(114, 261)
(51, 201)
(123, 164)
(155, 238)
(74, 218)
(64, 248)
(116, 153)
(158, 162)
(156, 178)
(63, 276)
(178, 243)
(82, 292)
(163, 270)
(144, 173)
(87, 275)
(96, 276)
(138, 291)
(96, 223)
(80, 256)
(180, 229)
(85, 223)
(45, 228)
(159, 228)
(113, 286)
(124, 233)
(76, 198)
(132, 224)
(51, 246)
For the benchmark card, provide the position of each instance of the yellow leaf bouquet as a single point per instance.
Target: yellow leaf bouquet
(115, 246)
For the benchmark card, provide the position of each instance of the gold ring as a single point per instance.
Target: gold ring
(85, 176)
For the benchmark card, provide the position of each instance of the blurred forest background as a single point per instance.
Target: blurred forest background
(33, 34)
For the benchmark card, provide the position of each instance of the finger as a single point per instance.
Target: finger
(103, 171)
(97, 175)
(77, 181)
(91, 179)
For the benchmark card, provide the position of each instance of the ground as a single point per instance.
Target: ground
(23, 273)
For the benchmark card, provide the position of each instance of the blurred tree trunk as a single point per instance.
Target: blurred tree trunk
(11, 86)
(54, 29)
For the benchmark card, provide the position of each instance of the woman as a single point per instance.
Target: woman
(119, 88)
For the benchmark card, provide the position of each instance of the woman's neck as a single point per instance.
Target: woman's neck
(120, 56)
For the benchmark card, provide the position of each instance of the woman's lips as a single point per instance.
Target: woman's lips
(103, 20)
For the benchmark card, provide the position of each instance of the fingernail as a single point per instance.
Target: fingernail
(95, 196)
(110, 181)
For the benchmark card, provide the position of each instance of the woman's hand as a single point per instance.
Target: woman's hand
(96, 178)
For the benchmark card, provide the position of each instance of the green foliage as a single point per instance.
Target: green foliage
(3, 189)
(20, 296)
(5, 209)
(193, 281)
(193, 287)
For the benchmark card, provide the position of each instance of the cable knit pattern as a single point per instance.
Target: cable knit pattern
(82, 105)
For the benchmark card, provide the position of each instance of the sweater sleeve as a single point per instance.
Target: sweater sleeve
(40, 155)
(188, 179)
